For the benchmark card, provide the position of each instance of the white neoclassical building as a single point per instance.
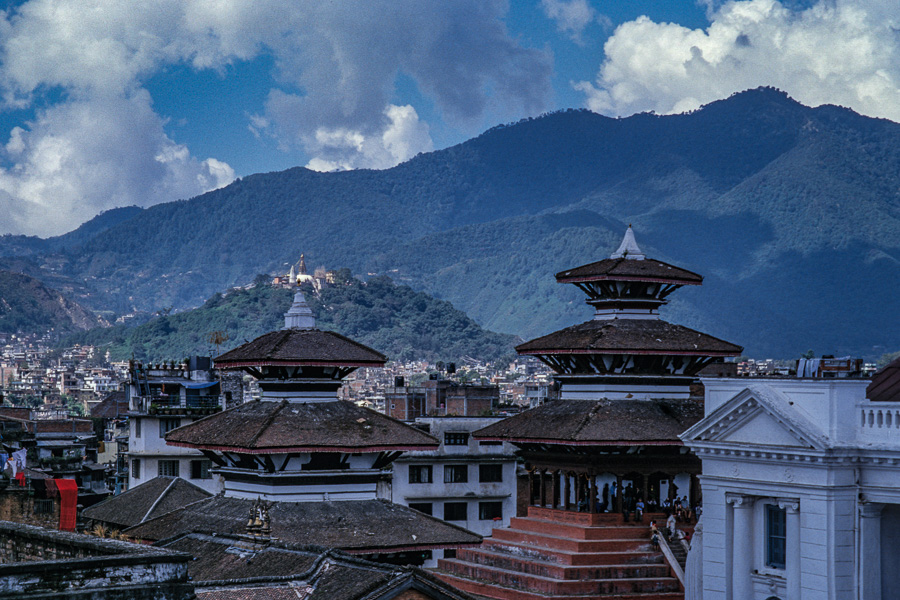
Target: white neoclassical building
(801, 489)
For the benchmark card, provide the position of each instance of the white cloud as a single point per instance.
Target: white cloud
(336, 65)
(81, 157)
(571, 17)
(403, 136)
(837, 52)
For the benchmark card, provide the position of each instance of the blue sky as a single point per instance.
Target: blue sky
(106, 104)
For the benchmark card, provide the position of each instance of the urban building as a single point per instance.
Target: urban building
(464, 481)
(801, 493)
(163, 397)
(441, 397)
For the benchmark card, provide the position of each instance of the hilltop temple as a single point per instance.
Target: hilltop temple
(625, 380)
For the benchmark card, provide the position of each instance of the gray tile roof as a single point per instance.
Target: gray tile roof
(885, 386)
(629, 269)
(265, 427)
(352, 525)
(301, 347)
(599, 422)
(617, 336)
(156, 497)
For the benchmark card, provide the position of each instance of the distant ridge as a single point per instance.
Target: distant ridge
(791, 213)
(27, 305)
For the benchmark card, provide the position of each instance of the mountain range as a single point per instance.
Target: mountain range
(792, 214)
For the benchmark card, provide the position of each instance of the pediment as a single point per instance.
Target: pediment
(757, 416)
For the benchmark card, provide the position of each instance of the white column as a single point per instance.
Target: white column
(792, 550)
(870, 551)
(742, 547)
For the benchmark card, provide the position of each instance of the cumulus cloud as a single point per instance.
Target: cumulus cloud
(96, 141)
(838, 52)
(571, 17)
(81, 157)
(403, 136)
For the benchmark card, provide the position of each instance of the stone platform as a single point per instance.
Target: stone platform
(555, 554)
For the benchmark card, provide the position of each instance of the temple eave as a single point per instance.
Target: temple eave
(620, 351)
(296, 363)
(302, 449)
(557, 442)
(607, 277)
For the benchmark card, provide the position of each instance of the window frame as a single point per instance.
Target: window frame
(199, 465)
(429, 469)
(775, 551)
(168, 424)
(423, 507)
(135, 468)
(461, 473)
(484, 469)
(492, 508)
(456, 438)
(168, 463)
(456, 506)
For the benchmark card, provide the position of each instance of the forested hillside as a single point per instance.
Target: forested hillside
(792, 213)
(27, 305)
(394, 319)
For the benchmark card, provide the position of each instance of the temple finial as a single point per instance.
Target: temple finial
(628, 249)
(300, 315)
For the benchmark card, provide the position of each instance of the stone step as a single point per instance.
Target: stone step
(563, 543)
(549, 586)
(577, 531)
(529, 565)
(569, 557)
(588, 519)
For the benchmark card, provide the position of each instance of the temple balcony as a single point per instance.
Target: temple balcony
(878, 423)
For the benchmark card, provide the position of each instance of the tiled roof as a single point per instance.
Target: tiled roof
(885, 386)
(634, 336)
(317, 574)
(151, 499)
(114, 405)
(264, 427)
(629, 269)
(304, 347)
(352, 525)
(598, 422)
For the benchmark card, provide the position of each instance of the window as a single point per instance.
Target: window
(776, 529)
(456, 473)
(167, 425)
(43, 507)
(168, 468)
(490, 443)
(137, 428)
(488, 511)
(200, 469)
(420, 474)
(455, 438)
(455, 511)
(424, 507)
(136, 468)
(450, 553)
(490, 473)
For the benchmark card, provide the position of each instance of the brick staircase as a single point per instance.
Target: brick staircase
(555, 555)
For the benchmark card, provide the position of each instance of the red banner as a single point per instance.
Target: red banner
(68, 501)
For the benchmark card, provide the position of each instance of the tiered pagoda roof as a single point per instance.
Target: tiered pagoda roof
(280, 427)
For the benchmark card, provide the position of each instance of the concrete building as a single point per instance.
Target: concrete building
(438, 398)
(467, 482)
(161, 398)
(801, 492)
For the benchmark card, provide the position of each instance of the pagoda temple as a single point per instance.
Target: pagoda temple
(625, 380)
(301, 466)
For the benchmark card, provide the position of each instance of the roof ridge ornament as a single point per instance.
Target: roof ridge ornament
(300, 315)
(628, 249)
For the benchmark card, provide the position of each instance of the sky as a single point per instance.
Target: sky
(105, 103)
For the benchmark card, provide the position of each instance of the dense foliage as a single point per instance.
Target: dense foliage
(27, 305)
(792, 213)
(394, 319)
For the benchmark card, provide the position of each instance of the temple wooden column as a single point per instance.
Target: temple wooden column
(618, 493)
(554, 491)
(531, 488)
(645, 488)
(566, 490)
(592, 490)
(543, 488)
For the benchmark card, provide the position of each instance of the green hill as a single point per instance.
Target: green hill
(27, 305)
(394, 319)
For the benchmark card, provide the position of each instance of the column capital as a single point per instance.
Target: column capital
(739, 500)
(790, 505)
